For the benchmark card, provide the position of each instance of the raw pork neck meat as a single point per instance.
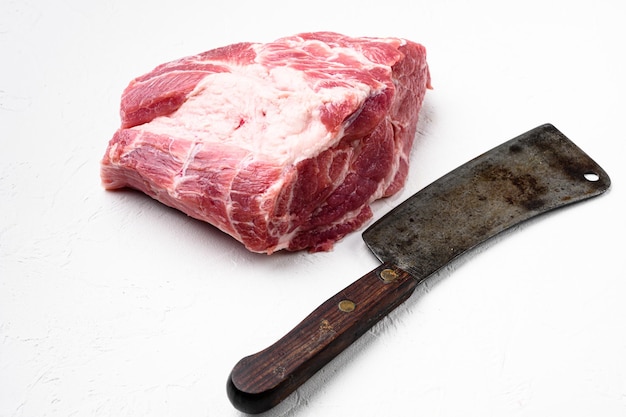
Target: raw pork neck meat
(281, 145)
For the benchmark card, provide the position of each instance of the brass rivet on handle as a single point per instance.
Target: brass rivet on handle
(346, 306)
(388, 275)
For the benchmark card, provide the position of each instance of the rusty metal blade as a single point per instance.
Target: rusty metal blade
(538, 171)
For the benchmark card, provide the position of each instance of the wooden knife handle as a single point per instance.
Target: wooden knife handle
(261, 381)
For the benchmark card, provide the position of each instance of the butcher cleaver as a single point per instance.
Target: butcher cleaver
(531, 174)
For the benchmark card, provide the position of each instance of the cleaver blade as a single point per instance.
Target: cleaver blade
(536, 172)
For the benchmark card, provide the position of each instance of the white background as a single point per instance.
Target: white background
(114, 305)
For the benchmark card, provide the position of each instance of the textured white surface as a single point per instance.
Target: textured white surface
(113, 305)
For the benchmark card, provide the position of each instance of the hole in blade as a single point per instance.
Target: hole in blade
(592, 176)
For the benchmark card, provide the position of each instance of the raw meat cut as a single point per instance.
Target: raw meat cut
(282, 145)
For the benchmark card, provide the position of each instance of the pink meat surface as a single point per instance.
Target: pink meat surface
(281, 145)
